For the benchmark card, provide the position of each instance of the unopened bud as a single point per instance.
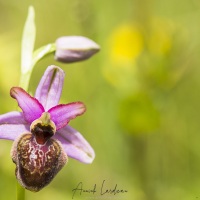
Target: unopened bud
(75, 48)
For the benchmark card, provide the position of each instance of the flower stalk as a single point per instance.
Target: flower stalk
(20, 192)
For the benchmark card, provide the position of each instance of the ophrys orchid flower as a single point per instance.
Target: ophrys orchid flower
(43, 141)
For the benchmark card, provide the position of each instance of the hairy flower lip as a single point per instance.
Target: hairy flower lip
(34, 170)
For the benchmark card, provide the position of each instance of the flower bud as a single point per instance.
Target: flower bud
(75, 48)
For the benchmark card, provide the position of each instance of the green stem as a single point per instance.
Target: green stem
(24, 80)
(37, 56)
(42, 52)
(20, 192)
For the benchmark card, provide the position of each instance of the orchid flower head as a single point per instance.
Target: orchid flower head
(43, 140)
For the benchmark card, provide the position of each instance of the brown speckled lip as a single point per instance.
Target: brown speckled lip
(37, 165)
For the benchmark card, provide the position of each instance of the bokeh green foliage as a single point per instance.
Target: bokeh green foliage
(141, 91)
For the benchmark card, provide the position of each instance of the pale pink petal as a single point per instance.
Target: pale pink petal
(13, 117)
(31, 107)
(75, 145)
(12, 131)
(49, 89)
(63, 113)
(12, 124)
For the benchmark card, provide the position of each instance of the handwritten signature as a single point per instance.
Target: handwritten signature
(112, 191)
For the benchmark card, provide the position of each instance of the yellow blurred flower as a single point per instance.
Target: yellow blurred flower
(132, 49)
(126, 44)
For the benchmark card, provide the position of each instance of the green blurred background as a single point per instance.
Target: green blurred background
(142, 93)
